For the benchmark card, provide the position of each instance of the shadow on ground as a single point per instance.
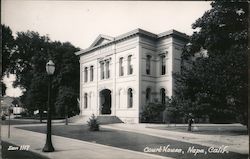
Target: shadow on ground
(18, 154)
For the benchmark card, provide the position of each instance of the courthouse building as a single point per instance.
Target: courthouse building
(120, 75)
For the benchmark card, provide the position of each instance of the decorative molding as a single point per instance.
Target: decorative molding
(136, 32)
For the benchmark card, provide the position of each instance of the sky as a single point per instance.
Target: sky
(80, 22)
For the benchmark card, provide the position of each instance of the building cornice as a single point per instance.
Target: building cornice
(136, 32)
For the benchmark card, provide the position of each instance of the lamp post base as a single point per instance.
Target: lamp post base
(48, 147)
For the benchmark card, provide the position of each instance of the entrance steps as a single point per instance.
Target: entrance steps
(107, 119)
(79, 119)
(102, 119)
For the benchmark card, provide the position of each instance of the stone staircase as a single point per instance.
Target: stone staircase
(79, 119)
(102, 119)
(107, 119)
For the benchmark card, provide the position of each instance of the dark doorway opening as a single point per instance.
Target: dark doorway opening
(105, 101)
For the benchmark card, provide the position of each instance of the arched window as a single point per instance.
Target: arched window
(85, 100)
(163, 95)
(85, 74)
(121, 70)
(130, 98)
(91, 73)
(163, 65)
(107, 69)
(148, 95)
(148, 64)
(130, 67)
(102, 70)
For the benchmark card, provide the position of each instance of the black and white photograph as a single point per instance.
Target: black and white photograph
(124, 79)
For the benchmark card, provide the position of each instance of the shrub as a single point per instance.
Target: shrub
(173, 115)
(153, 113)
(93, 123)
(3, 117)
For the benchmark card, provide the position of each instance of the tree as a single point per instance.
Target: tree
(28, 63)
(93, 123)
(66, 79)
(36, 95)
(153, 112)
(7, 47)
(30, 56)
(215, 83)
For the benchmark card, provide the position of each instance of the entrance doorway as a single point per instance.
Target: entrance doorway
(105, 101)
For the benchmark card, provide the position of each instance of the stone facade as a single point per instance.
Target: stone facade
(119, 76)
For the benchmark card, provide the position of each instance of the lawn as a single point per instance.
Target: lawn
(131, 141)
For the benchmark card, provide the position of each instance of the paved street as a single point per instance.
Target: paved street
(131, 140)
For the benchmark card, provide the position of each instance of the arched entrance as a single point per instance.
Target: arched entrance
(105, 101)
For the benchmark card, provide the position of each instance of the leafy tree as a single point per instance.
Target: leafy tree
(36, 95)
(7, 47)
(215, 83)
(153, 112)
(66, 103)
(30, 56)
(176, 110)
(28, 63)
(66, 80)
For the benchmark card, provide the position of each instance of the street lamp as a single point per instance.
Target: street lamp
(190, 121)
(50, 68)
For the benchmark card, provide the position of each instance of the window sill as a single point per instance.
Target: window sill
(105, 79)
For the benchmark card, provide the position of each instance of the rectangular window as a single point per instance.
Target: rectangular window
(121, 70)
(148, 64)
(130, 67)
(102, 70)
(85, 74)
(163, 65)
(130, 98)
(85, 100)
(107, 70)
(91, 73)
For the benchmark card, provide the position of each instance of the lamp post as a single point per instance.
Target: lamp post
(190, 121)
(9, 122)
(50, 68)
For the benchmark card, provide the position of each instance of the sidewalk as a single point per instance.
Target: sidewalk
(70, 148)
(37, 120)
(237, 143)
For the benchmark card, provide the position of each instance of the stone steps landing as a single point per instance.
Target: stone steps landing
(102, 119)
(79, 119)
(107, 119)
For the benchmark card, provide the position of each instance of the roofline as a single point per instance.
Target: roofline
(138, 31)
(99, 37)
